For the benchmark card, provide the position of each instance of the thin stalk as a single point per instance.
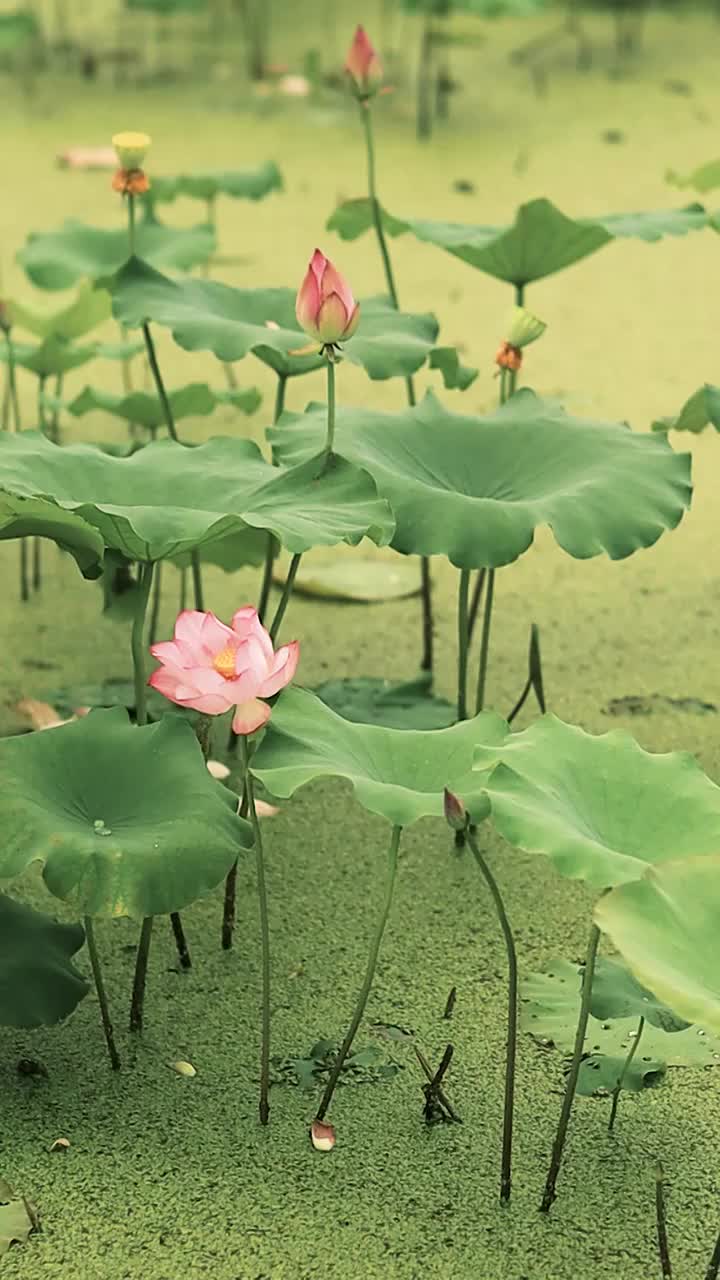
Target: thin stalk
(183, 589)
(475, 601)
(138, 654)
(285, 597)
(183, 949)
(159, 384)
(369, 975)
(131, 223)
(571, 1084)
(36, 569)
(511, 1041)
(55, 420)
(101, 993)
(12, 387)
(714, 1266)
(197, 581)
(266, 583)
(42, 420)
(24, 570)
(426, 661)
(264, 1105)
(137, 1003)
(485, 641)
(430, 1076)
(156, 601)
(621, 1078)
(663, 1245)
(462, 634)
(519, 295)
(228, 923)
(330, 438)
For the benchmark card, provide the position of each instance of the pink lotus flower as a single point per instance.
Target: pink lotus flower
(325, 307)
(363, 64)
(211, 667)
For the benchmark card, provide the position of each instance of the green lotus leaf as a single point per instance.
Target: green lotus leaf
(665, 927)
(125, 821)
(371, 700)
(600, 1072)
(541, 241)
(601, 808)
(58, 259)
(24, 517)
(205, 315)
(397, 773)
(16, 1217)
(617, 994)
(703, 179)
(167, 7)
(119, 350)
(349, 575)
(550, 1005)
(702, 408)
(38, 984)
(48, 358)
(88, 309)
(166, 500)
(476, 488)
(194, 401)
(239, 184)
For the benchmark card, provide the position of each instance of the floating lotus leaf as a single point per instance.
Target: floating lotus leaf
(371, 700)
(48, 358)
(349, 575)
(166, 500)
(239, 184)
(666, 928)
(541, 241)
(125, 821)
(397, 773)
(38, 984)
(58, 259)
(701, 409)
(90, 308)
(194, 401)
(476, 488)
(600, 808)
(617, 994)
(205, 315)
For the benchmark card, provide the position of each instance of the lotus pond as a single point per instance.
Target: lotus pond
(202, 1133)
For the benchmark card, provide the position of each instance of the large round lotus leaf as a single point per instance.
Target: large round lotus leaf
(476, 488)
(167, 499)
(26, 517)
(666, 928)
(700, 409)
(205, 315)
(239, 184)
(600, 807)
(57, 259)
(48, 358)
(397, 773)
(197, 400)
(541, 241)
(90, 308)
(126, 821)
(38, 984)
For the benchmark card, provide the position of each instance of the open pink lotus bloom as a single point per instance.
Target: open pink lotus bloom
(325, 307)
(211, 667)
(363, 64)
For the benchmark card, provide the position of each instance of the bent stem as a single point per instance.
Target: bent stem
(285, 597)
(101, 993)
(138, 654)
(621, 1078)
(485, 641)
(571, 1084)
(511, 1042)
(368, 979)
(159, 384)
(264, 1105)
(462, 633)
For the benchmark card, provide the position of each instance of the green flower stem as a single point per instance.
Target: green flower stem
(138, 654)
(462, 632)
(661, 1220)
(11, 399)
(621, 1078)
(285, 597)
(55, 420)
(159, 384)
(131, 223)
(101, 993)
(198, 598)
(228, 924)
(426, 663)
(330, 440)
(519, 295)
(156, 601)
(511, 1042)
(36, 570)
(24, 570)
(266, 583)
(475, 601)
(264, 1105)
(183, 589)
(369, 975)
(141, 963)
(42, 420)
(485, 641)
(572, 1079)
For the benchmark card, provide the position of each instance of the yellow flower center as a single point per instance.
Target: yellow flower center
(224, 662)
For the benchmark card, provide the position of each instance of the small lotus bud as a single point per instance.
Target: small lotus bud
(325, 307)
(507, 357)
(322, 1136)
(455, 812)
(523, 328)
(131, 149)
(363, 65)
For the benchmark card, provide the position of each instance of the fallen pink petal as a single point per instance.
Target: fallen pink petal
(322, 1136)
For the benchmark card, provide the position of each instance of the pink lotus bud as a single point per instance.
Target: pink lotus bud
(211, 667)
(325, 307)
(363, 65)
(455, 813)
(322, 1136)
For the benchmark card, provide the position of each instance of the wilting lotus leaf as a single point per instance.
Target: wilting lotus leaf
(166, 500)
(205, 315)
(239, 184)
(475, 488)
(397, 773)
(38, 983)
(194, 401)
(666, 928)
(57, 259)
(701, 409)
(90, 308)
(600, 808)
(125, 821)
(541, 241)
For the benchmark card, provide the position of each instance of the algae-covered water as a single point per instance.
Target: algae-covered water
(167, 1176)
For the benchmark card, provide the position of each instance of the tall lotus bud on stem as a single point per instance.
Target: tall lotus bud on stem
(455, 811)
(325, 306)
(363, 66)
(523, 328)
(131, 149)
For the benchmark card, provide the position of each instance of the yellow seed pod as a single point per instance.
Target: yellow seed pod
(131, 149)
(523, 328)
